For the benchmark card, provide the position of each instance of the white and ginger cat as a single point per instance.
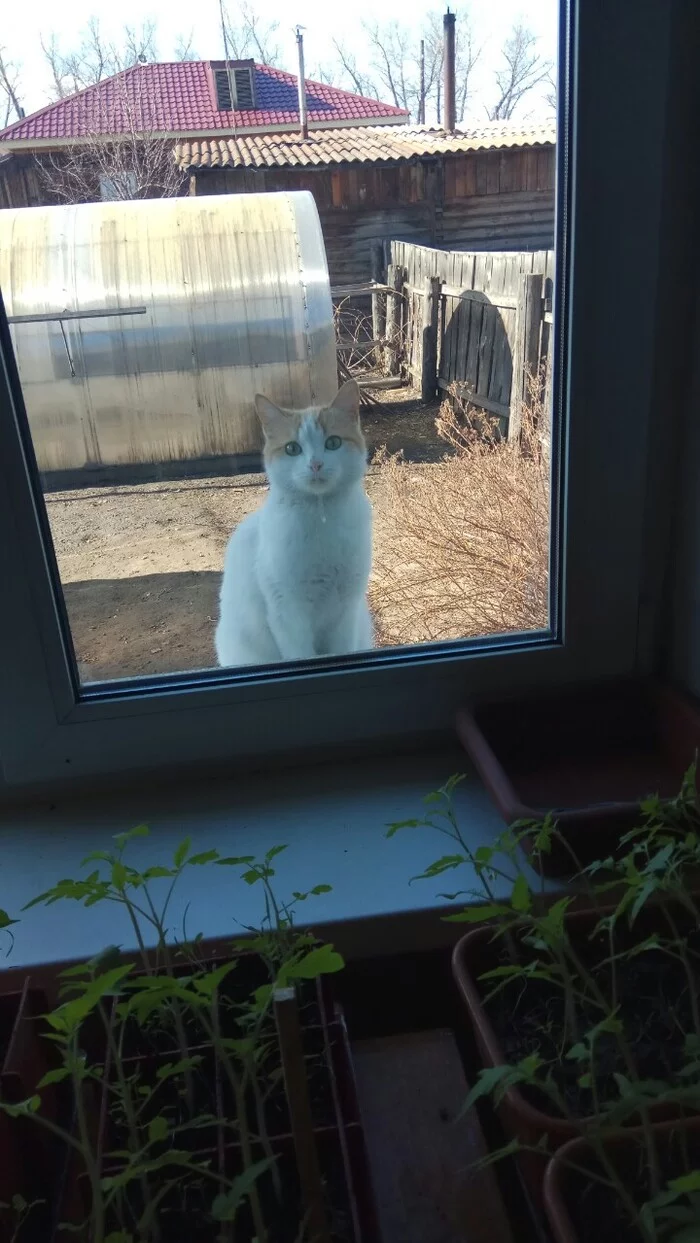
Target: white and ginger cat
(296, 571)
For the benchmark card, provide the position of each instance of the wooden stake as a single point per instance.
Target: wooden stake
(429, 361)
(297, 1089)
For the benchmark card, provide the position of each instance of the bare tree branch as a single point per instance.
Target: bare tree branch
(551, 95)
(319, 73)
(56, 66)
(184, 49)
(394, 70)
(139, 45)
(394, 63)
(122, 155)
(10, 107)
(524, 69)
(93, 59)
(362, 83)
(250, 36)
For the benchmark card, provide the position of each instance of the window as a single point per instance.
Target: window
(119, 186)
(235, 86)
(56, 723)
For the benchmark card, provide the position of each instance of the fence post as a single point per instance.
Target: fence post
(526, 356)
(395, 278)
(378, 299)
(429, 354)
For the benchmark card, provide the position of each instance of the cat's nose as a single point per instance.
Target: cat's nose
(315, 465)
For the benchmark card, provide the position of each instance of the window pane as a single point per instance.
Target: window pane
(290, 396)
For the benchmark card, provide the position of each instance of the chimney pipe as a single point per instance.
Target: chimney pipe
(450, 110)
(421, 99)
(303, 121)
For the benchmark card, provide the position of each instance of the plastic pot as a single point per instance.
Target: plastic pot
(588, 753)
(475, 954)
(336, 1144)
(563, 1184)
(29, 1158)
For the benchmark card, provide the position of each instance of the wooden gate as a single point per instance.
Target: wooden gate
(476, 322)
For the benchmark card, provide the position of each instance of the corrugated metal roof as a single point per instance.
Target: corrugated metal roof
(361, 144)
(179, 98)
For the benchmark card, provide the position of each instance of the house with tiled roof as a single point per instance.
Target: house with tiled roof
(234, 127)
(191, 99)
(182, 100)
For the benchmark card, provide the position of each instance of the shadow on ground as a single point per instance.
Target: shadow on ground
(153, 623)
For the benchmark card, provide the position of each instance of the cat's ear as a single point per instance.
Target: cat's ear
(269, 414)
(347, 400)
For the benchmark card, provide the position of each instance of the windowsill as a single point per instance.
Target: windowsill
(332, 819)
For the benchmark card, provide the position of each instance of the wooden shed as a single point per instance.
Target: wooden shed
(490, 188)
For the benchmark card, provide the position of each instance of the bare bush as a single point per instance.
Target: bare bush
(122, 154)
(465, 547)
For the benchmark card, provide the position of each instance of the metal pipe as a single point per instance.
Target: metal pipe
(56, 316)
(450, 109)
(303, 120)
(421, 100)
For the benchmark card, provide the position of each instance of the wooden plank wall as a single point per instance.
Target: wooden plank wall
(476, 336)
(19, 182)
(486, 200)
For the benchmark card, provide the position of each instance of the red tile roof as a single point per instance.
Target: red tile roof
(178, 98)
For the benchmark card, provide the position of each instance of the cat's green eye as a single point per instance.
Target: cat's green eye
(333, 442)
(293, 448)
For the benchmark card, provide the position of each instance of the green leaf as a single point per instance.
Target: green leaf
(521, 898)
(207, 856)
(392, 829)
(578, 1053)
(317, 889)
(5, 921)
(625, 1088)
(208, 983)
(97, 856)
(157, 872)
(54, 1076)
(182, 852)
(140, 830)
(236, 861)
(323, 960)
(491, 1078)
(686, 1182)
(119, 874)
(659, 861)
(172, 1157)
(70, 1014)
(19, 1203)
(645, 892)
(177, 1068)
(157, 1130)
(23, 1109)
(227, 1203)
(273, 852)
(446, 864)
(477, 914)
(502, 973)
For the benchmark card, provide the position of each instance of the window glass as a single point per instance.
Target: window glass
(286, 356)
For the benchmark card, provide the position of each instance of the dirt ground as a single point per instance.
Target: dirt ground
(141, 565)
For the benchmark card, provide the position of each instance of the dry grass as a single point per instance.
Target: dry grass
(465, 547)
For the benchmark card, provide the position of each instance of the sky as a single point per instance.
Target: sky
(23, 25)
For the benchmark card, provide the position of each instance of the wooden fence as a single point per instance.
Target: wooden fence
(477, 321)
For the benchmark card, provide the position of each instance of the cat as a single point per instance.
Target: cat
(296, 571)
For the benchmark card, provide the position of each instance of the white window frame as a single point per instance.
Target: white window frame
(612, 147)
